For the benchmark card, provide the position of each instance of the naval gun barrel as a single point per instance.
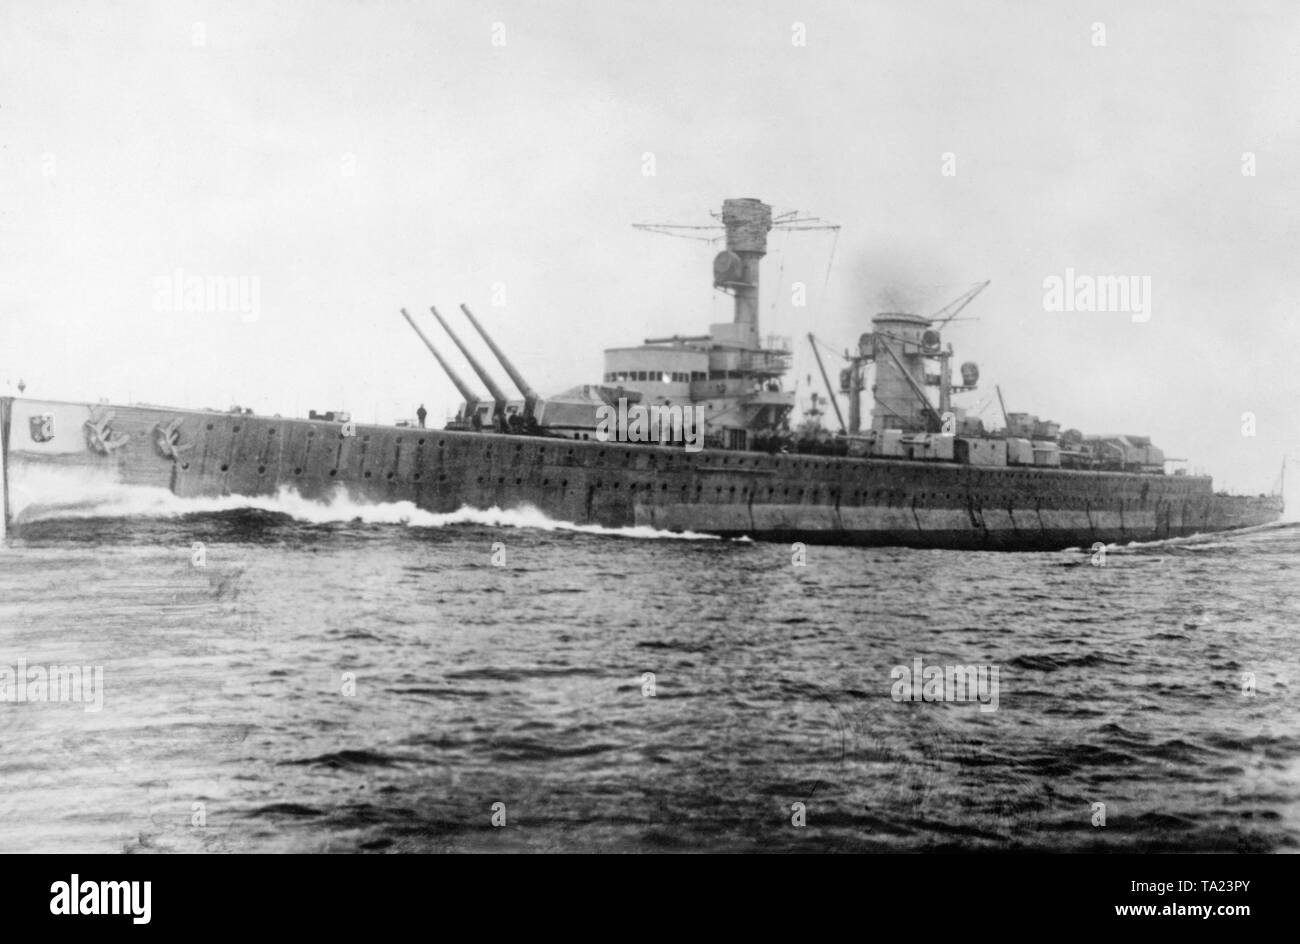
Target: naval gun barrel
(498, 395)
(471, 398)
(530, 395)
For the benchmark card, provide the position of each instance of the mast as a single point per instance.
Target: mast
(747, 222)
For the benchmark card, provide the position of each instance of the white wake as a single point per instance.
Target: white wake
(68, 493)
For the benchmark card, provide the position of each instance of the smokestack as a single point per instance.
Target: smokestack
(498, 395)
(747, 222)
(900, 374)
(530, 396)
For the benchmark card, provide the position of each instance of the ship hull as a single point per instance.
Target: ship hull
(808, 498)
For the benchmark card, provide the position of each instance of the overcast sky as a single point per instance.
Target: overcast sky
(355, 158)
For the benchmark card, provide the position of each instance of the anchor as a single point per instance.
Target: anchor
(100, 436)
(168, 440)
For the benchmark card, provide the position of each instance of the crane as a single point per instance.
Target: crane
(954, 307)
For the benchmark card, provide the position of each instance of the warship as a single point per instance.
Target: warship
(693, 433)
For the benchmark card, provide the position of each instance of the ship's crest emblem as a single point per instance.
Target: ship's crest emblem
(42, 427)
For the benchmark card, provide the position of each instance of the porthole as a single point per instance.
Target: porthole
(224, 467)
(297, 471)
